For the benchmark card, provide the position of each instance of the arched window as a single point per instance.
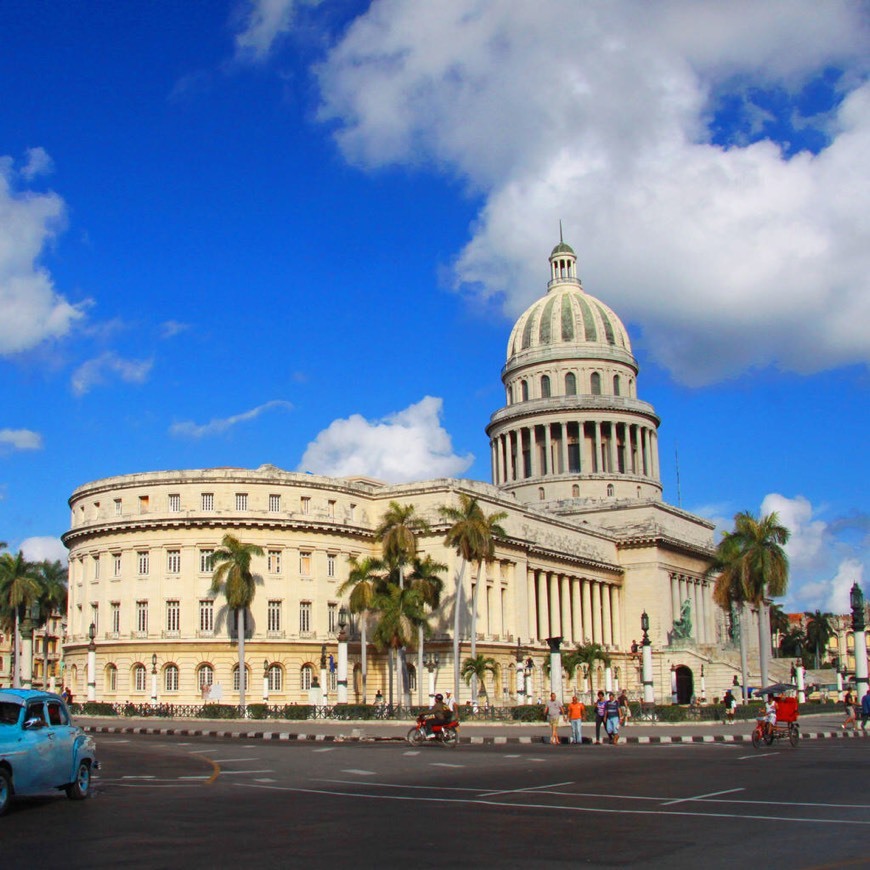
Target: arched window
(638, 492)
(510, 394)
(111, 678)
(236, 678)
(170, 678)
(412, 678)
(540, 493)
(524, 388)
(575, 491)
(610, 489)
(545, 386)
(616, 385)
(570, 384)
(275, 676)
(140, 678)
(596, 384)
(306, 675)
(204, 676)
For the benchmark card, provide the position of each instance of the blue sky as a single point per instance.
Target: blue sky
(266, 231)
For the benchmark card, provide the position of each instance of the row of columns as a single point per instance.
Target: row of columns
(609, 447)
(577, 609)
(699, 594)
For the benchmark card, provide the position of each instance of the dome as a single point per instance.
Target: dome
(562, 248)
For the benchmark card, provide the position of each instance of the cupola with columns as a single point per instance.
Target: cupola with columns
(572, 429)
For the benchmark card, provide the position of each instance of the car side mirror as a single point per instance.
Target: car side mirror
(32, 724)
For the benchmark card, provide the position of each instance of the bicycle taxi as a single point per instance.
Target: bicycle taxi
(786, 726)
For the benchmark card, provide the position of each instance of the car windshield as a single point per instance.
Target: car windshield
(9, 713)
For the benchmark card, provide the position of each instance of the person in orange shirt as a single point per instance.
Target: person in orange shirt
(576, 711)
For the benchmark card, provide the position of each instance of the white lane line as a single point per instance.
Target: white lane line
(700, 797)
(201, 751)
(265, 779)
(757, 755)
(550, 807)
(360, 772)
(401, 785)
(444, 764)
(539, 759)
(526, 789)
(513, 756)
(229, 760)
(138, 777)
(238, 772)
(412, 752)
(325, 749)
(194, 777)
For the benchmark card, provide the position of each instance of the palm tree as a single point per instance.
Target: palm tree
(472, 535)
(588, 654)
(764, 569)
(362, 584)
(19, 587)
(779, 624)
(52, 599)
(475, 669)
(818, 632)
(232, 576)
(397, 534)
(425, 577)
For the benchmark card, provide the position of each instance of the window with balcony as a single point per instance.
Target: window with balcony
(273, 616)
(305, 617)
(173, 617)
(142, 617)
(116, 618)
(332, 617)
(206, 616)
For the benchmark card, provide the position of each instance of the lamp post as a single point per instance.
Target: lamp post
(674, 695)
(342, 655)
(265, 681)
(555, 666)
(431, 664)
(799, 676)
(528, 680)
(92, 663)
(323, 692)
(31, 614)
(520, 673)
(703, 686)
(646, 659)
(856, 599)
(616, 680)
(154, 678)
(63, 628)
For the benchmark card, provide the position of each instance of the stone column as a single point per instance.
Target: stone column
(597, 448)
(567, 628)
(555, 621)
(587, 610)
(576, 611)
(532, 614)
(675, 596)
(616, 616)
(543, 606)
(596, 613)
(548, 452)
(533, 453)
(606, 624)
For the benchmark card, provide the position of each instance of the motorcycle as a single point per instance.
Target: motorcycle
(446, 733)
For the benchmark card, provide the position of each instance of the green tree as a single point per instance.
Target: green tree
(779, 624)
(19, 588)
(472, 535)
(400, 612)
(397, 533)
(233, 577)
(475, 669)
(425, 577)
(362, 583)
(819, 631)
(588, 654)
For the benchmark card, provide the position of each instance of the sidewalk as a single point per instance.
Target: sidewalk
(817, 727)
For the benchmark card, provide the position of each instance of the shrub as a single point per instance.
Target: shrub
(96, 708)
(528, 713)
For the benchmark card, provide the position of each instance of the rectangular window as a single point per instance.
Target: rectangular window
(330, 508)
(173, 561)
(304, 617)
(118, 507)
(206, 615)
(332, 616)
(352, 511)
(143, 504)
(116, 617)
(305, 563)
(206, 566)
(173, 617)
(305, 504)
(96, 567)
(330, 565)
(274, 562)
(142, 561)
(273, 622)
(95, 616)
(207, 501)
(274, 503)
(142, 617)
(116, 564)
(241, 501)
(140, 678)
(174, 503)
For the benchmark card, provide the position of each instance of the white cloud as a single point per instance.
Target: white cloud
(97, 371)
(598, 113)
(171, 328)
(217, 426)
(405, 446)
(29, 221)
(38, 163)
(265, 23)
(19, 439)
(41, 548)
(807, 534)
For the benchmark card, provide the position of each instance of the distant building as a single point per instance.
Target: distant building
(590, 546)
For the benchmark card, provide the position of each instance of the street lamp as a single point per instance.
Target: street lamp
(431, 664)
(646, 661)
(342, 655)
(92, 663)
(703, 687)
(323, 692)
(519, 673)
(529, 679)
(265, 680)
(856, 599)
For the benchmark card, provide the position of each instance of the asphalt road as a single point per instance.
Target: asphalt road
(196, 802)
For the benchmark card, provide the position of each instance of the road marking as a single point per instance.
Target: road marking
(513, 756)
(527, 789)
(237, 772)
(360, 772)
(202, 751)
(412, 752)
(757, 755)
(229, 760)
(216, 768)
(138, 777)
(701, 797)
(325, 749)
(444, 764)
(265, 779)
(193, 777)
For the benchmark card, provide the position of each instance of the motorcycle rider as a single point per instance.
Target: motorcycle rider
(438, 714)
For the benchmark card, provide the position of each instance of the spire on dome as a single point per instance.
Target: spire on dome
(563, 262)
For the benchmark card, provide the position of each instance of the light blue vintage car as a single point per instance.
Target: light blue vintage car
(40, 748)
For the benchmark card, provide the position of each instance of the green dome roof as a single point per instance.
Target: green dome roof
(562, 248)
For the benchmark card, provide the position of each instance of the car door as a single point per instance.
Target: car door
(33, 769)
(62, 739)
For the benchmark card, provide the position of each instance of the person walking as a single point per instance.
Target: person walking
(865, 710)
(624, 709)
(849, 701)
(554, 712)
(576, 712)
(611, 718)
(599, 715)
(730, 707)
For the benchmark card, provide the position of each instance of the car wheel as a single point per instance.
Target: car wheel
(415, 737)
(80, 787)
(5, 790)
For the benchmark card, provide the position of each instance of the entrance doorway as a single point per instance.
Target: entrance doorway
(685, 685)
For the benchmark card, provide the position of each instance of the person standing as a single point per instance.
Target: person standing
(599, 715)
(730, 707)
(554, 712)
(624, 709)
(451, 705)
(576, 712)
(611, 718)
(865, 710)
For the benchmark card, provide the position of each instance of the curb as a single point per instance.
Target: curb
(655, 740)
